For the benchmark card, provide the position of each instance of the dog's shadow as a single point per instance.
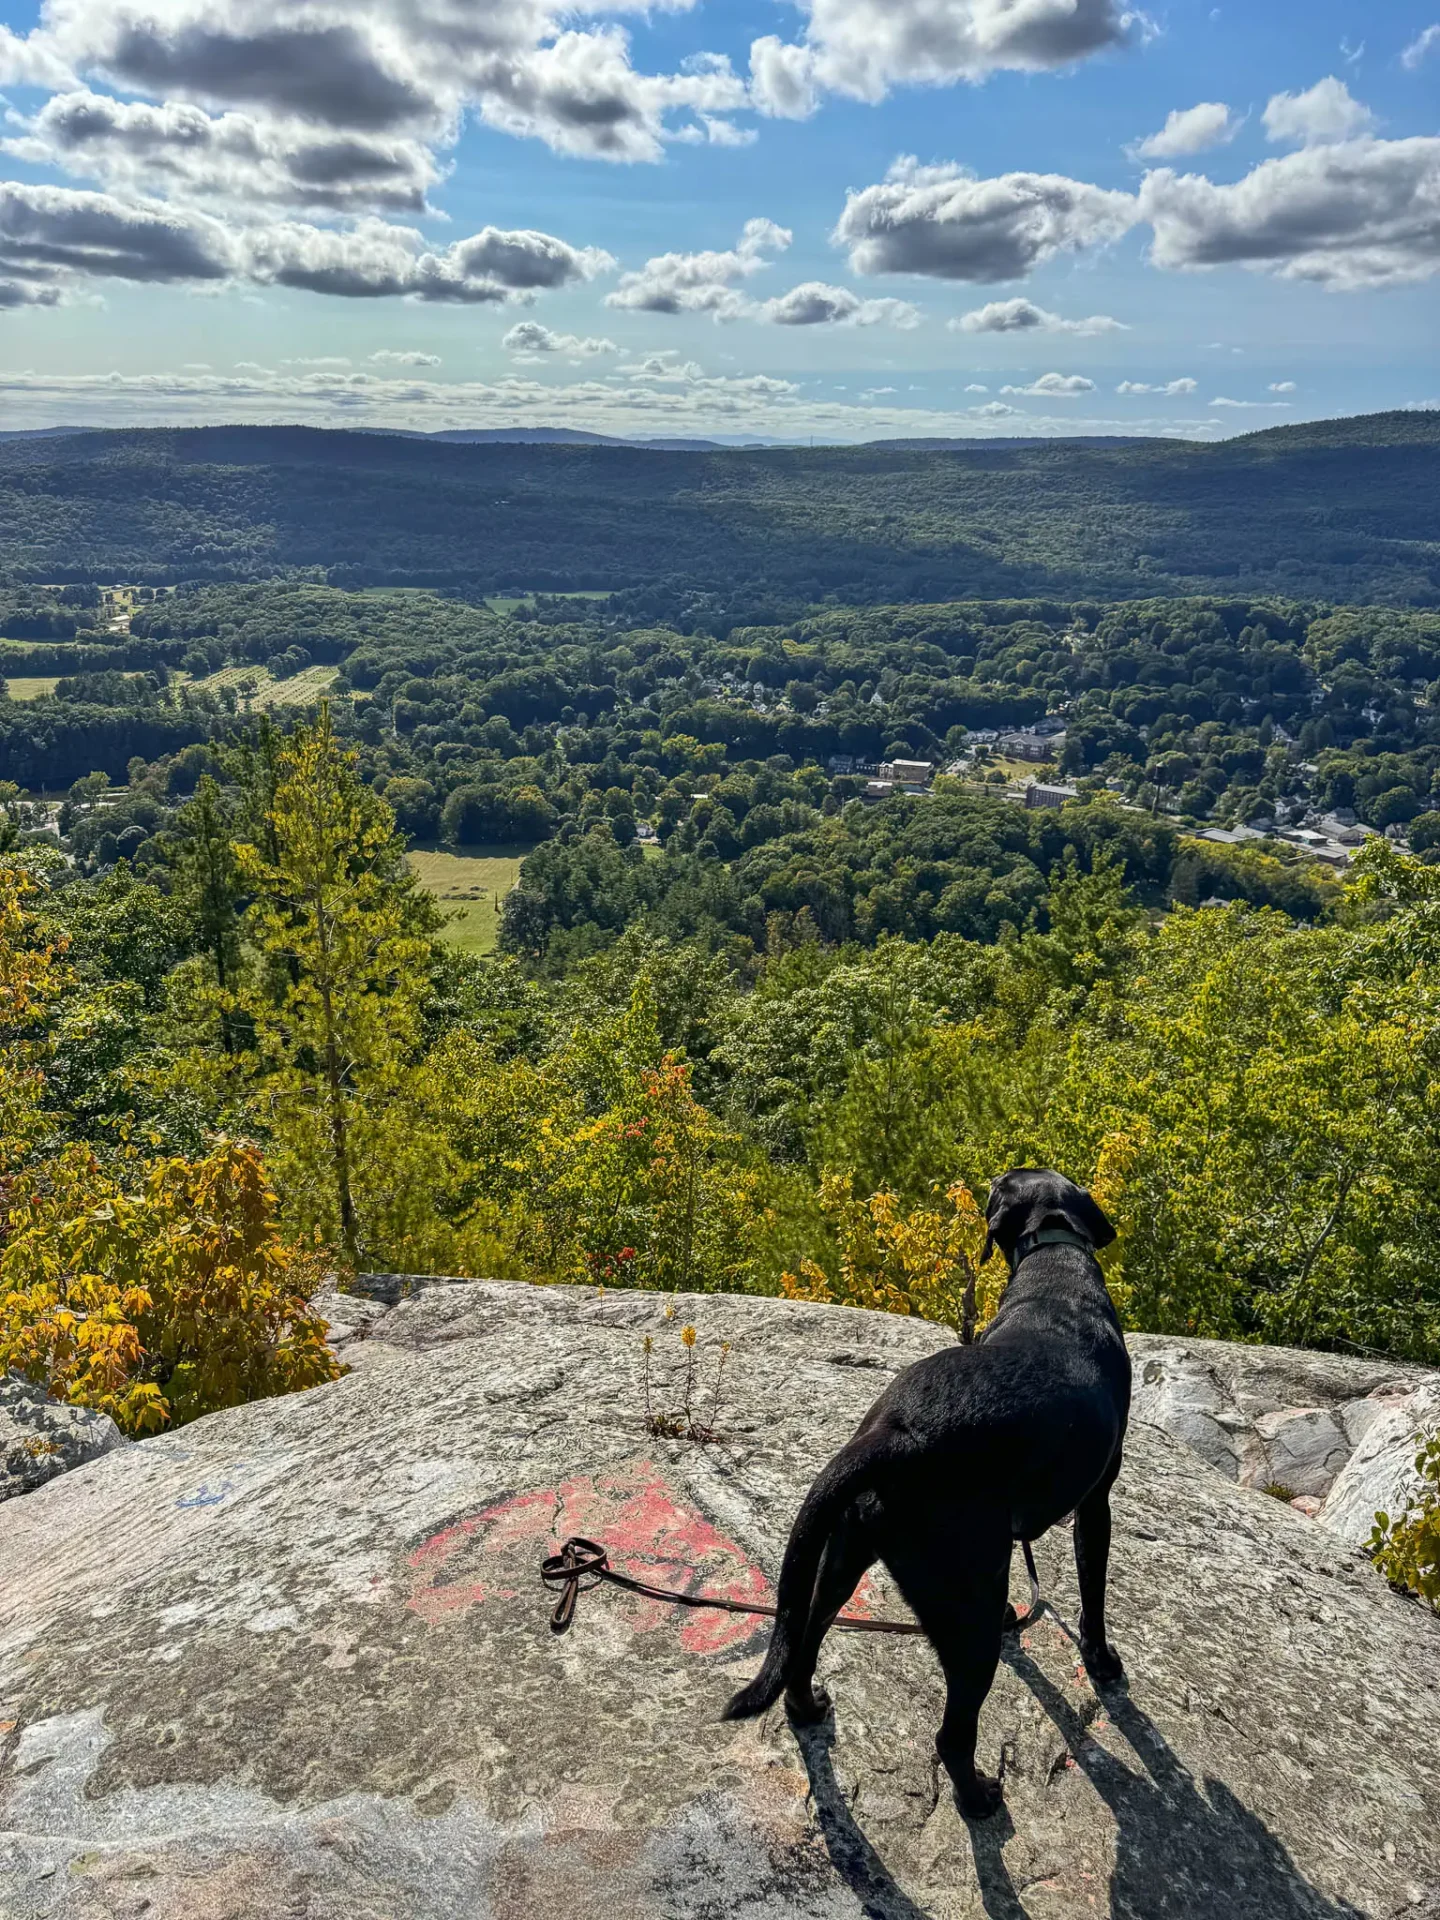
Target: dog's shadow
(1183, 1851)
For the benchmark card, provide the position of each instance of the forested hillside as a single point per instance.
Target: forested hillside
(1343, 511)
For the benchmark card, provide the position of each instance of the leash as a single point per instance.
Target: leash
(581, 1565)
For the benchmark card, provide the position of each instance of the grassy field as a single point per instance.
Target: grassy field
(508, 602)
(472, 888)
(26, 686)
(1021, 770)
(301, 691)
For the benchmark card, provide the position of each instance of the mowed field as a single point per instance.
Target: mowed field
(1013, 770)
(30, 686)
(471, 887)
(303, 690)
(508, 602)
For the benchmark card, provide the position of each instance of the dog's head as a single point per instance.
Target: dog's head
(1027, 1199)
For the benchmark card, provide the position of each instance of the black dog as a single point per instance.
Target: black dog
(965, 1453)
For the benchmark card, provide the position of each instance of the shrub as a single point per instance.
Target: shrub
(158, 1306)
(925, 1262)
(1407, 1549)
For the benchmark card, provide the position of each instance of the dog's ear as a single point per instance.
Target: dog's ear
(1094, 1219)
(1006, 1197)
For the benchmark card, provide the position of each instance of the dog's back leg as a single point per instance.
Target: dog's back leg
(849, 1553)
(1092, 1561)
(959, 1591)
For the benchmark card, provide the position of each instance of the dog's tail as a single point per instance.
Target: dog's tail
(847, 1475)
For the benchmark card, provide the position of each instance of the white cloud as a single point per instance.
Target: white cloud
(1170, 387)
(53, 239)
(702, 282)
(26, 293)
(31, 60)
(1282, 386)
(1190, 130)
(865, 48)
(529, 341)
(407, 357)
(1262, 404)
(814, 304)
(1420, 48)
(387, 70)
(375, 261)
(943, 222)
(784, 82)
(52, 236)
(1055, 386)
(976, 387)
(1362, 213)
(179, 148)
(1023, 316)
(581, 95)
(665, 369)
(1327, 112)
(997, 410)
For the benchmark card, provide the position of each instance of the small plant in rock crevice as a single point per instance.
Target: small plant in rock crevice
(1407, 1548)
(1278, 1490)
(684, 1422)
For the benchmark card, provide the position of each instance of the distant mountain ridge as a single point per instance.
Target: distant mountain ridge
(1345, 510)
(557, 437)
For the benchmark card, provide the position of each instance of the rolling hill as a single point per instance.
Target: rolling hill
(1344, 510)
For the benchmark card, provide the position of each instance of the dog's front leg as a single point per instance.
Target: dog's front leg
(1092, 1561)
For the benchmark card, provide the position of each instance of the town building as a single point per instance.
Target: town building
(907, 773)
(1049, 793)
(1028, 743)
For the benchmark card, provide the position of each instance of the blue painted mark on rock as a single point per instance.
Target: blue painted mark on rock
(206, 1495)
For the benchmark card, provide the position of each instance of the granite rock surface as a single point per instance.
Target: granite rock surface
(294, 1660)
(40, 1437)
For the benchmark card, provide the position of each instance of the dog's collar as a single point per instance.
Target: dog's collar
(1048, 1237)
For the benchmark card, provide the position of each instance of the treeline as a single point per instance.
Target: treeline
(914, 868)
(45, 744)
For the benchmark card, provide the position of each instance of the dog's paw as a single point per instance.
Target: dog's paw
(1102, 1663)
(981, 1799)
(809, 1708)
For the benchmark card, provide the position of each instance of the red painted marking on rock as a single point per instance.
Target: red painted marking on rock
(650, 1535)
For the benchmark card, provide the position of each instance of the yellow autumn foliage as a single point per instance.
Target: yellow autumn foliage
(32, 974)
(159, 1305)
(924, 1262)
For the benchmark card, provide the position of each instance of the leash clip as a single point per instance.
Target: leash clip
(580, 1565)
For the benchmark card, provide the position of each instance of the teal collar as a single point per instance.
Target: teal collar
(1048, 1237)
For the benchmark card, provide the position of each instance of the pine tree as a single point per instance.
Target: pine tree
(333, 997)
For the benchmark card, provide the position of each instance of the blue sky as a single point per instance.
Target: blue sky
(847, 219)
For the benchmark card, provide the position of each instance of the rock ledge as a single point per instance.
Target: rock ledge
(294, 1660)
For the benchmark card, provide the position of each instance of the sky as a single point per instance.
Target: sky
(838, 219)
